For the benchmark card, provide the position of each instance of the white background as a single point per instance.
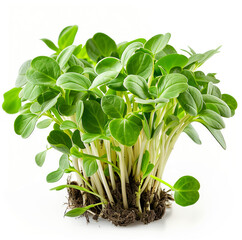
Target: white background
(30, 211)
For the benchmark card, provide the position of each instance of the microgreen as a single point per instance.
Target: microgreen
(115, 112)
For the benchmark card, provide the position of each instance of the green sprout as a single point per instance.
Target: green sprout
(116, 112)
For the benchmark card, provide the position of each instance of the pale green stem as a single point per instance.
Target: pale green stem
(111, 173)
(122, 177)
(102, 176)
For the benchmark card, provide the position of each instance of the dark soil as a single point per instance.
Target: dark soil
(116, 213)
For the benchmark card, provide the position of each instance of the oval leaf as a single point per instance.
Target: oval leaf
(108, 64)
(60, 141)
(73, 81)
(67, 36)
(172, 85)
(140, 64)
(24, 124)
(137, 85)
(157, 43)
(93, 119)
(104, 78)
(186, 191)
(65, 55)
(90, 166)
(124, 131)
(43, 71)
(12, 102)
(113, 106)
(191, 100)
(40, 158)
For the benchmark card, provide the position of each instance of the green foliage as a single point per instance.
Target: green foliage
(113, 106)
(93, 119)
(117, 110)
(60, 141)
(40, 158)
(67, 36)
(124, 131)
(57, 175)
(76, 212)
(12, 102)
(140, 64)
(137, 85)
(157, 43)
(186, 190)
(43, 71)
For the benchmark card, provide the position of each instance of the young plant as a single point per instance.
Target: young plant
(116, 112)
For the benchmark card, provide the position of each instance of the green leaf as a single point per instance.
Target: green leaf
(231, 102)
(170, 61)
(73, 81)
(146, 128)
(44, 123)
(49, 44)
(35, 108)
(93, 119)
(31, 92)
(201, 58)
(117, 83)
(60, 141)
(55, 176)
(40, 158)
(167, 50)
(24, 124)
(76, 69)
(90, 137)
(213, 90)
(145, 161)
(191, 100)
(64, 162)
(79, 211)
(67, 124)
(157, 43)
(113, 106)
(49, 104)
(171, 85)
(148, 170)
(192, 133)
(186, 191)
(104, 78)
(90, 166)
(12, 102)
(67, 36)
(43, 71)
(213, 119)
(203, 79)
(129, 51)
(191, 78)
(137, 85)
(61, 187)
(223, 108)
(124, 131)
(108, 64)
(22, 78)
(76, 139)
(100, 45)
(217, 135)
(140, 64)
(66, 109)
(65, 55)
(79, 111)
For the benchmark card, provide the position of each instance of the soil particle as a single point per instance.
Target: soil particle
(116, 212)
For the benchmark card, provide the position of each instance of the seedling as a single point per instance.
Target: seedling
(116, 112)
